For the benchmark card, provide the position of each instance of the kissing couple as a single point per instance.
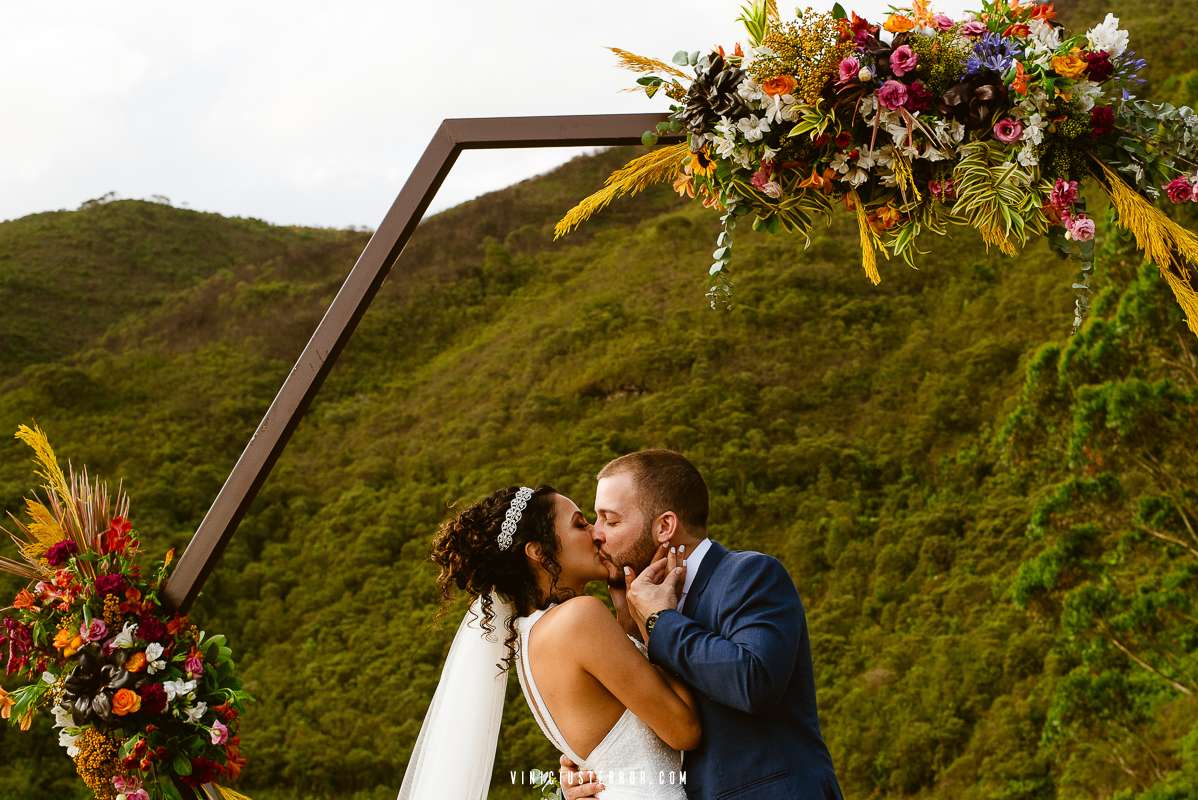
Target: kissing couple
(700, 686)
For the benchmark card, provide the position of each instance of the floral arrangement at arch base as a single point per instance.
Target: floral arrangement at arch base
(919, 122)
(144, 700)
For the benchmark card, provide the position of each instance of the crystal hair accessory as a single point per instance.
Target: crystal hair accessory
(514, 511)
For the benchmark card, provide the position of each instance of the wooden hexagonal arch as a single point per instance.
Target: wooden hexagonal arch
(352, 299)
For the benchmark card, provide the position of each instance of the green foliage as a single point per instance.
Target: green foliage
(988, 521)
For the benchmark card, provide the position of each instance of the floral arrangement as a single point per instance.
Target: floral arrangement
(144, 700)
(994, 121)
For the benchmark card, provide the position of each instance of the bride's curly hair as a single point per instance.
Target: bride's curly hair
(466, 548)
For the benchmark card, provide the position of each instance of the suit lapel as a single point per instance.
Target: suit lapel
(715, 553)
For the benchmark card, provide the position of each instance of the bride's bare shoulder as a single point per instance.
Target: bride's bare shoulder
(584, 609)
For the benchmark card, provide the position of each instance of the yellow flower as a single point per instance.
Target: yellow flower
(701, 163)
(6, 704)
(1071, 65)
(897, 23)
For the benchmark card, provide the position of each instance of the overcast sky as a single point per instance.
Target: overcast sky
(309, 112)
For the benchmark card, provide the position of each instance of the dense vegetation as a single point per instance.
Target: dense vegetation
(993, 525)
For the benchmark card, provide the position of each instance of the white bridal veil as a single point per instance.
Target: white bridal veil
(455, 750)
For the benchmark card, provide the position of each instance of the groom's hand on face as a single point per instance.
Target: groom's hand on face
(657, 588)
(577, 785)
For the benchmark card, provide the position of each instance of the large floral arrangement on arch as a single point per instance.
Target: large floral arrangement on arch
(143, 699)
(916, 123)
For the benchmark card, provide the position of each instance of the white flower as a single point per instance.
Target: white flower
(125, 637)
(932, 153)
(743, 157)
(782, 107)
(1107, 36)
(195, 712)
(68, 741)
(1086, 93)
(1027, 156)
(62, 717)
(1033, 130)
(772, 189)
(768, 153)
(840, 163)
(858, 177)
(865, 159)
(1042, 42)
(48, 677)
(753, 127)
(176, 689)
(153, 661)
(750, 92)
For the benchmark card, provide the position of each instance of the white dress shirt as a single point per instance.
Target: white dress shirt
(693, 560)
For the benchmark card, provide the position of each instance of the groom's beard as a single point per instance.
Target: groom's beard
(641, 553)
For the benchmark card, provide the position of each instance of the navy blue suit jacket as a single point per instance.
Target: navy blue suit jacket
(741, 642)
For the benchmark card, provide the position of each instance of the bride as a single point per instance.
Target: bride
(525, 556)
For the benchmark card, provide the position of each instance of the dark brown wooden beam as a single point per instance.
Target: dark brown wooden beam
(354, 297)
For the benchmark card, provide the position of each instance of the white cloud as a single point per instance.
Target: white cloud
(309, 112)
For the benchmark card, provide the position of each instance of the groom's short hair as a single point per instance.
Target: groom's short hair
(665, 481)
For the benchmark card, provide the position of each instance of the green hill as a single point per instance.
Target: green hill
(970, 501)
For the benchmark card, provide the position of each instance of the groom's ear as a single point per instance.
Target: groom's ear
(665, 527)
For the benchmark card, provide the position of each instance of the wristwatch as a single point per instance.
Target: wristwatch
(650, 621)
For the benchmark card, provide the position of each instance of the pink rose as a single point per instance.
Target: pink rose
(94, 632)
(140, 794)
(903, 60)
(943, 23)
(1008, 130)
(772, 189)
(1180, 189)
(220, 733)
(893, 94)
(1195, 195)
(1081, 228)
(1064, 194)
(849, 67)
(973, 29)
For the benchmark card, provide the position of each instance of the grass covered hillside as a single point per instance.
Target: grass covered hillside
(993, 525)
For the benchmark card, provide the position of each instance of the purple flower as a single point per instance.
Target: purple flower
(893, 94)
(903, 60)
(973, 29)
(1008, 130)
(993, 52)
(93, 632)
(60, 552)
(849, 67)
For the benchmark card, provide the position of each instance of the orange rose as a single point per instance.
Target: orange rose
(781, 84)
(897, 23)
(125, 701)
(1071, 65)
(136, 662)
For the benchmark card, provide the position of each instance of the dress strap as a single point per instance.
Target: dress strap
(532, 694)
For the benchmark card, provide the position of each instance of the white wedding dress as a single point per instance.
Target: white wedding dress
(631, 762)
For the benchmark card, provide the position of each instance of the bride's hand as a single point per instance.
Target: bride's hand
(577, 785)
(619, 599)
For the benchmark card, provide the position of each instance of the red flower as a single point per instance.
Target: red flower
(153, 699)
(116, 539)
(1102, 121)
(1098, 65)
(203, 770)
(919, 97)
(844, 139)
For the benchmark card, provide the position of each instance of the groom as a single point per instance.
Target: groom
(736, 633)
